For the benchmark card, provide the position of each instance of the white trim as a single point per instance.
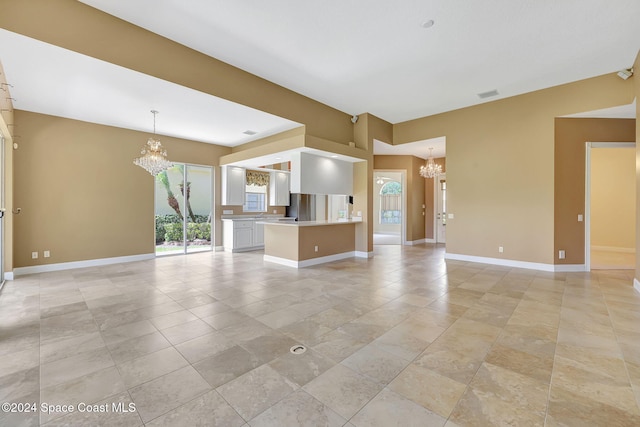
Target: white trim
(430, 241)
(516, 263)
(614, 249)
(219, 249)
(45, 268)
(415, 242)
(569, 268)
(308, 262)
(8, 275)
(636, 284)
(360, 254)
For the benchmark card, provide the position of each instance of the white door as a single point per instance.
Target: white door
(441, 208)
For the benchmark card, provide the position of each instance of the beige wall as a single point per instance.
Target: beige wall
(298, 243)
(500, 166)
(275, 235)
(80, 193)
(613, 198)
(366, 130)
(330, 239)
(415, 190)
(500, 154)
(571, 135)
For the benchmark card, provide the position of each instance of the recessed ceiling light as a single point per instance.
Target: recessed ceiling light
(249, 132)
(427, 24)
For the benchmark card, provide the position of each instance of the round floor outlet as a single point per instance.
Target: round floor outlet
(298, 349)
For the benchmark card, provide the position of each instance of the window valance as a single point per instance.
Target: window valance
(258, 178)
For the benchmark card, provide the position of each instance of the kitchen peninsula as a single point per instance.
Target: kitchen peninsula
(305, 243)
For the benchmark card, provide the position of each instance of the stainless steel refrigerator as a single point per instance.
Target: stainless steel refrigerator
(302, 207)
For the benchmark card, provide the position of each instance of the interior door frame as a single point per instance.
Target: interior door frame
(587, 197)
(436, 205)
(403, 183)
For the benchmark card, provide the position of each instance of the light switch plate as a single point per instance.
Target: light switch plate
(580, 217)
(450, 216)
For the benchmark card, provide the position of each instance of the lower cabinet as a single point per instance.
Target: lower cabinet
(258, 234)
(242, 235)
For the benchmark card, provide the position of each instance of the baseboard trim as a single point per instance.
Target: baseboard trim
(308, 262)
(8, 275)
(361, 254)
(415, 242)
(45, 268)
(565, 268)
(219, 249)
(614, 249)
(430, 241)
(636, 284)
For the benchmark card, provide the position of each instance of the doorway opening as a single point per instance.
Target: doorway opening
(389, 207)
(610, 208)
(183, 212)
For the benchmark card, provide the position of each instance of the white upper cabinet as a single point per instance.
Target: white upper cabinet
(234, 180)
(279, 188)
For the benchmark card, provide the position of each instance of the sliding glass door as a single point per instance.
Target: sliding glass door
(183, 209)
(199, 208)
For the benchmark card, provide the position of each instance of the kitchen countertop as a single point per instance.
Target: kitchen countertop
(354, 220)
(254, 218)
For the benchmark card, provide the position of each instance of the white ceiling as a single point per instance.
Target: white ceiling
(79, 87)
(375, 58)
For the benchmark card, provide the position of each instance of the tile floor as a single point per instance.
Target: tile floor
(403, 339)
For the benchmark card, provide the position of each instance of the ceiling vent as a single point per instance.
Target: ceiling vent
(488, 94)
(249, 132)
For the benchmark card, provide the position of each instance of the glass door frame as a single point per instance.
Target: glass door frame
(185, 246)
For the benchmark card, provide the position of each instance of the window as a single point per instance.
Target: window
(255, 198)
(391, 203)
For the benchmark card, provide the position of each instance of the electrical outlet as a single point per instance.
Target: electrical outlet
(34, 255)
(580, 217)
(46, 254)
(500, 249)
(561, 254)
(316, 248)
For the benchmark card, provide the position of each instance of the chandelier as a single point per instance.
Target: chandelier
(430, 170)
(154, 157)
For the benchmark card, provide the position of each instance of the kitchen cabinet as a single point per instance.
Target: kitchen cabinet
(242, 235)
(258, 234)
(234, 180)
(279, 188)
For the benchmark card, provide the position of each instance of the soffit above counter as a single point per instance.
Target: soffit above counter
(282, 150)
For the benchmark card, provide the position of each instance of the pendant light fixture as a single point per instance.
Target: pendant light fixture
(154, 157)
(431, 169)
